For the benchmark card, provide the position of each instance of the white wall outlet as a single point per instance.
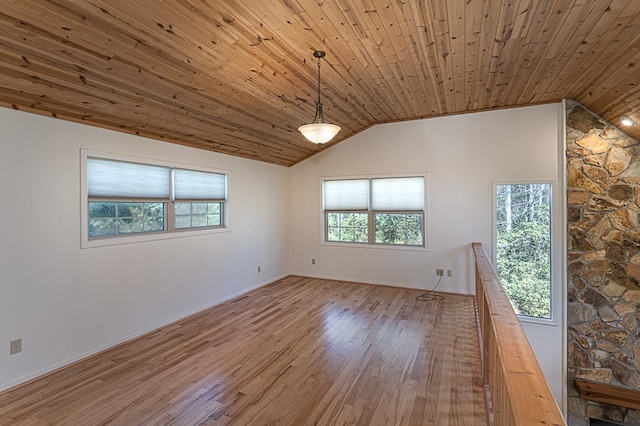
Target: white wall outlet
(313, 261)
(15, 346)
(440, 272)
(449, 273)
(259, 269)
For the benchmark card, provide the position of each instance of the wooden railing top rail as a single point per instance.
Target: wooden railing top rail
(530, 397)
(608, 393)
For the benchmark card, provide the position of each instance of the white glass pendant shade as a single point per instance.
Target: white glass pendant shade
(319, 132)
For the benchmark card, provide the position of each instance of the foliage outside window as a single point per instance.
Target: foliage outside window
(112, 218)
(131, 198)
(347, 227)
(523, 237)
(198, 215)
(386, 211)
(399, 228)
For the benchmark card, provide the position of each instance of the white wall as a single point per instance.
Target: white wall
(463, 156)
(66, 302)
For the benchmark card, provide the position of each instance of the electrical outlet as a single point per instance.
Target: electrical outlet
(15, 346)
(259, 269)
(313, 261)
(449, 273)
(440, 272)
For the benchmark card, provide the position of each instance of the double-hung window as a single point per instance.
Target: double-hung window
(129, 198)
(384, 211)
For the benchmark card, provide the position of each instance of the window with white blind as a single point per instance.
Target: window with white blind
(385, 211)
(199, 198)
(128, 198)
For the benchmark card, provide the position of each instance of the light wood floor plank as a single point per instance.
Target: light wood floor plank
(300, 351)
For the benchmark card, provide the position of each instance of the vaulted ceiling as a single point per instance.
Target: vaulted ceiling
(239, 76)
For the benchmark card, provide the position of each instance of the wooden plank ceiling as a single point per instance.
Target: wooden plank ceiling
(239, 77)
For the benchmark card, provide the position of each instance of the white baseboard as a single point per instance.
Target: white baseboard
(385, 283)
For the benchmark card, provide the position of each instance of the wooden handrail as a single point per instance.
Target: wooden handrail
(517, 392)
(608, 393)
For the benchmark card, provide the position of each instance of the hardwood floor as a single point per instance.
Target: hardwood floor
(300, 351)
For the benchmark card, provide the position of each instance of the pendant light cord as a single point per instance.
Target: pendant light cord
(319, 117)
(319, 79)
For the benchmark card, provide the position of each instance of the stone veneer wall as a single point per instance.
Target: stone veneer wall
(603, 202)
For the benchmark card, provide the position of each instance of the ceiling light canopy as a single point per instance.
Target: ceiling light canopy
(319, 131)
(626, 121)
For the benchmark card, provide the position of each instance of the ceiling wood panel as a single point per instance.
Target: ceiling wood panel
(239, 77)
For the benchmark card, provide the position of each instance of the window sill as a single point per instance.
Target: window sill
(374, 246)
(539, 321)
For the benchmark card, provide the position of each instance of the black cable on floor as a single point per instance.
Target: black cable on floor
(428, 295)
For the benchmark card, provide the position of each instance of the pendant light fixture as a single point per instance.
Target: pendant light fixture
(319, 131)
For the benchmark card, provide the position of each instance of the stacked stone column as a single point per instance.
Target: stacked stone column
(603, 202)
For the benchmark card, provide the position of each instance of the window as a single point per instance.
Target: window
(199, 198)
(198, 215)
(523, 246)
(113, 218)
(125, 198)
(386, 211)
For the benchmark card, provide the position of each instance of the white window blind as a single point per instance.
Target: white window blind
(348, 195)
(193, 185)
(118, 179)
(397, 194)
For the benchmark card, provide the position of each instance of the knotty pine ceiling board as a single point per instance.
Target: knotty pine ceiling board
(239, 77)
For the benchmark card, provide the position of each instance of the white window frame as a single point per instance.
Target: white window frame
(88, 242)
(555, 291)
(373, 245)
